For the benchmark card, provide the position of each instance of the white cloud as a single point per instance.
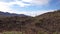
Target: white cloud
(37, 2)
(4, 6)
(34, 13)
(31, 2)
(26, 0)
(41, 2)
(20, 3)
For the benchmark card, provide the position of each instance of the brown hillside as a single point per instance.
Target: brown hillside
(46, 23)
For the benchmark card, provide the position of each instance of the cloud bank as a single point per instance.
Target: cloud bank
(35, 13)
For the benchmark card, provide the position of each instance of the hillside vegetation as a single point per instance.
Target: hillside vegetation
(47, 23)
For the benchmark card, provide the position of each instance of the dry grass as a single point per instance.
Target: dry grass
(12, 32)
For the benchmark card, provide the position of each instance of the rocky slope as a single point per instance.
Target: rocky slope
(46, 23)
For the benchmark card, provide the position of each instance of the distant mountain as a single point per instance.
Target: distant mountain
(12, 14)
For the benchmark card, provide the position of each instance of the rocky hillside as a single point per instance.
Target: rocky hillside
(48, 23)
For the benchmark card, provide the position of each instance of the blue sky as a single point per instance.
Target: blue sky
(29, 7)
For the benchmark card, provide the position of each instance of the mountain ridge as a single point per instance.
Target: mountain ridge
(12, 14)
